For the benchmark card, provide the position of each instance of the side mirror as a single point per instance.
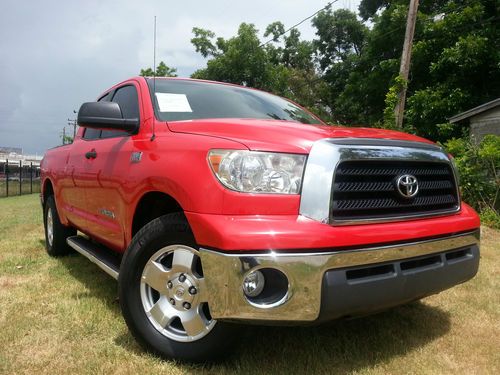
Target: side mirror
(105, 115)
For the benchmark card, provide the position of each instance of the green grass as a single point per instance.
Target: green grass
(61, 316)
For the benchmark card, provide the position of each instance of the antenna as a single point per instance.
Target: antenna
(153, 136)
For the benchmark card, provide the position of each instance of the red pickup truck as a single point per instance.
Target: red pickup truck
(214, 204)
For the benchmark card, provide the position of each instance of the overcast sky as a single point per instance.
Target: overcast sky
(56, 55)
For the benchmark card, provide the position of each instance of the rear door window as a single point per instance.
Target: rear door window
(128, 100)
(90, 133)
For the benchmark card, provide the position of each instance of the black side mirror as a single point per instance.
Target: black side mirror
(105, 115)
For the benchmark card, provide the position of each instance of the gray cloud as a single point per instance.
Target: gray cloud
(56, 55)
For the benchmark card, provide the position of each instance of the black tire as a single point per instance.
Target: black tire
(56, 242)
(166, 232)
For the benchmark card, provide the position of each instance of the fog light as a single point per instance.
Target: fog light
(253, 284)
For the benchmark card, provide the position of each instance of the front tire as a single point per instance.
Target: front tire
(163, 294)
(55, 233)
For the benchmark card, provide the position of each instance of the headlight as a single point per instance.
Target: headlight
(258, 172)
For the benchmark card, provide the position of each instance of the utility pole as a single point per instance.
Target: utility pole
(404, 68)
(72, 122)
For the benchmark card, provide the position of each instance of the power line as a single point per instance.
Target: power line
(464, 27)
(454, 11)
(298, 24)
(333, 2)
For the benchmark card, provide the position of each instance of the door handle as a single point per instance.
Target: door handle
(91, 154)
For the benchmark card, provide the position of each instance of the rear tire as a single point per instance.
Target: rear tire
(55, 233)
(163, 294)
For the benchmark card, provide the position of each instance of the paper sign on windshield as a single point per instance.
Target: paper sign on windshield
(173, 102)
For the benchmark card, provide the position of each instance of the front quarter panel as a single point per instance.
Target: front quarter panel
(174, 164)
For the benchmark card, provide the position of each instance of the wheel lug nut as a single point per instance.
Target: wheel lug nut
(169, 285)
(172, 301)
(182, 277)
(186, 305)
(192, 290)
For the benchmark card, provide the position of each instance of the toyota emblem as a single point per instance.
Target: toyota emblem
(180, 292)
(407, 185)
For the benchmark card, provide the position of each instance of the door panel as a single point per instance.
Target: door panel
(76, 181)
(104, 190)
(105, 193)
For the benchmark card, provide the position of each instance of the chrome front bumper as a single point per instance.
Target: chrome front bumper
(418, 269)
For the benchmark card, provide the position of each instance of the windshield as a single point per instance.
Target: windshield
(178, 100)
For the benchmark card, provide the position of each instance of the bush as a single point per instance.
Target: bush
(479, 169)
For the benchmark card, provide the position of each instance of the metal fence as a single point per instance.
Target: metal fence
(19, 178)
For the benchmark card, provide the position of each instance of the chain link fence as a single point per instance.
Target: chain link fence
(19, 178)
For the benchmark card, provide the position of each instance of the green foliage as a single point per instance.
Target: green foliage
(340, 35)
(202, 42)
(282, 66)
(425, 109)
(341, 39)
(368, 8)
(479, 168)
(66, 139)
(391, 100)
(455, 62)
(490, 218)
(162, 70)
(361, 78)
(237, 60)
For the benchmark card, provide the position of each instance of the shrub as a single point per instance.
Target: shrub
(479, 169)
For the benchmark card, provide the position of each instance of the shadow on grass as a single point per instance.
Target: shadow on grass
(339, 347)
(102, 286)
(97, 283)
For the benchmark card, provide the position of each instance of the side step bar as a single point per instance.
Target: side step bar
(107, 260)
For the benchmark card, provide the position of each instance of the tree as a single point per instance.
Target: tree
(340, 35)
(455, 62)
(368, 8)
(339, 46)
(202, 42)
(283, 65)
(66, 139)
(288, 49)
(162, 70)
(238, 59)
(478, 165)
(456, 65)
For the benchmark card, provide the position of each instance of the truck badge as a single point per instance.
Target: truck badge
(108, 213)
(136, 157)
(407, 185)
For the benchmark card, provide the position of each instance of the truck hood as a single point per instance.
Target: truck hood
(279, 135)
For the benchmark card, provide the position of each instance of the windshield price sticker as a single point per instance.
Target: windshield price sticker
(173, 102)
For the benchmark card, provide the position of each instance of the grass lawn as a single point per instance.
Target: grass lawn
(61, 316)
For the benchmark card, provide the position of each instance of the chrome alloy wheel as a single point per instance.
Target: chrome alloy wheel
(174, 296)
(50, 227)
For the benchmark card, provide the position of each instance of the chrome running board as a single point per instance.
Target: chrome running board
(108, 261)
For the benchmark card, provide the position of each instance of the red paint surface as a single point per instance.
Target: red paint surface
(175, 163)
(293, 232)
